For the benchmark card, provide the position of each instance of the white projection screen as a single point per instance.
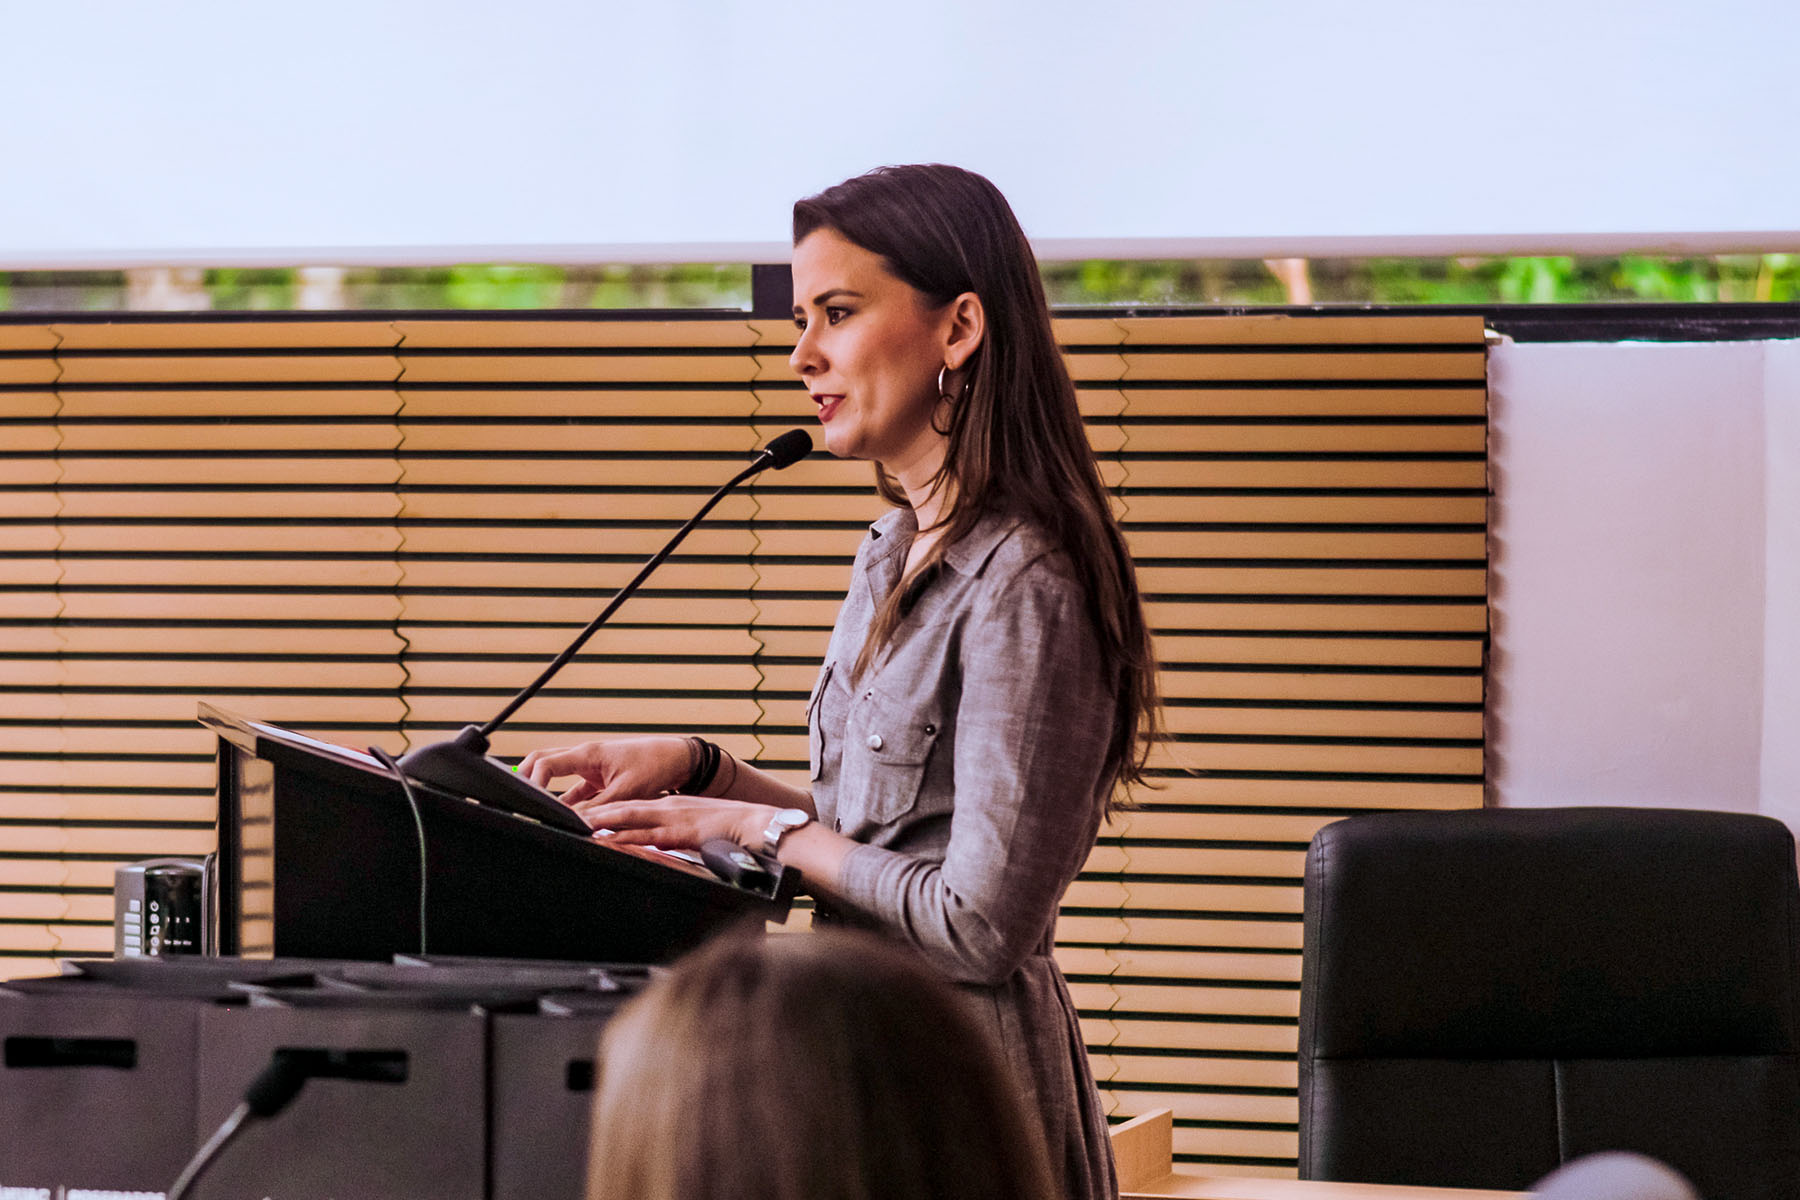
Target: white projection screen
(404, 132)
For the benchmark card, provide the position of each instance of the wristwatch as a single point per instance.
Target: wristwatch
(780, 825)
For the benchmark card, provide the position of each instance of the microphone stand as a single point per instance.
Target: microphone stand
(462, 765)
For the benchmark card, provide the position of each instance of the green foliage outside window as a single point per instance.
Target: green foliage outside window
(1206, 282)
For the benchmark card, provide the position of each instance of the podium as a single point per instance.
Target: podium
(319, 857)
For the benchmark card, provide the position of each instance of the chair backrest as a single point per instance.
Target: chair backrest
(1487, 994)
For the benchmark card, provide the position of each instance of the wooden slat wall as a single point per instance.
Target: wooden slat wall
(378, 531)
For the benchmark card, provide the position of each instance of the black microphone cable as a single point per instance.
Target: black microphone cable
(412, 799)
(268, 1094)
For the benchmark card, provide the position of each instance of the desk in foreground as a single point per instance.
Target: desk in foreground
(1143, 1148)
(1221, 1187)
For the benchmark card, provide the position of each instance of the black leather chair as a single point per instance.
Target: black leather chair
(1487, 994)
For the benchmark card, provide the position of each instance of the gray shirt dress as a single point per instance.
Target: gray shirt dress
(968, 764)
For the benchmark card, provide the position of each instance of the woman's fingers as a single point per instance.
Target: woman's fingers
(541, 766)
(582, 792)
(673, 822)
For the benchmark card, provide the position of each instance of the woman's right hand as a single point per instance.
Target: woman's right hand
(622, 769)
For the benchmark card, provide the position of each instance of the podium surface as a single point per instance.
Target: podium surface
(319, 857)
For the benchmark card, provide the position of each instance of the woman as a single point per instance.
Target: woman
(830, 1067)
(990, 682)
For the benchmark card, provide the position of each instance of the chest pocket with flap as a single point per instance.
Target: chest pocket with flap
(887, 745)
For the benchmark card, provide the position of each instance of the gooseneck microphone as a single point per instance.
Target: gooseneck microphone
(280, 1081)
(462, 765)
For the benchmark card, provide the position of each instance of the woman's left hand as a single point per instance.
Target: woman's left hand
(677, 822)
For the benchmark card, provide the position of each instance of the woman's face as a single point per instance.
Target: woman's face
(869, 350)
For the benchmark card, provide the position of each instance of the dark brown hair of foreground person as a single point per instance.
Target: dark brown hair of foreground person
(1017, 444)
(821, 1066)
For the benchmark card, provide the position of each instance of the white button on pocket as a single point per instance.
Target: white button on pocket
(874, 741)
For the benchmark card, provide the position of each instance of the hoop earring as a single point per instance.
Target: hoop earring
(944, 394)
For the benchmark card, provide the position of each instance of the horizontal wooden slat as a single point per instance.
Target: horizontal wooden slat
(1099, 892)
(50, 906)
(591, 712)
(200, 675)
(244, 475)
(1322, 688)
(71, 839)
(1420, 438)
(541, 643)
(29, 539)
(1440, 615)
(1129, 961)
(226, 335)
(1126, 928)
(583, 676)
(28, 406)
(1323, 509)
(229, 368)
(178, 706)
(474, 407)
(27, 339)
(1460, 652)
(1108, 859)
(503, 541)
(1332, 794)
(577, 368)
(173, 538)
(172, 737)
(1324, 759)
(27, 372)
(1301, 401)
(175, 508)
(1204, 825)
(172, 437)
(528, 334)
(32, 438)
(228, 607)
(1299, 365)
(539, 610)
(1114, 996)
(1199, 1071)
(1349, 545)
(44, 605)
(1257, 474)
(1201, 1106)
(211, 640)
(78, 573)
(261, 403)
(733, 439)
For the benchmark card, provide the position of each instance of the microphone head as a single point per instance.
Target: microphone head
(788, 449)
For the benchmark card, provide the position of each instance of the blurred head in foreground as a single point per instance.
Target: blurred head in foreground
(822, 1066)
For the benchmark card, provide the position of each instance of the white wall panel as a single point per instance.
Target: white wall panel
(1645, 531)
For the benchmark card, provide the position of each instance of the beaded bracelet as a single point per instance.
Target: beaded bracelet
(705, 759)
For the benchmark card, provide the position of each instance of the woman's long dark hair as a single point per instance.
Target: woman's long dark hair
(1016, 440)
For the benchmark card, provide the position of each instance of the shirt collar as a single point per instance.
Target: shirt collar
(894, 532)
